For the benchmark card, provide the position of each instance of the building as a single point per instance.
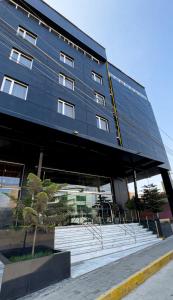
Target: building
(70, 115)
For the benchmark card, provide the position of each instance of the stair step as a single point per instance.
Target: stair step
(84, 228)
(90, 255)
(103, 228)
(77, 251)
(89, 230)
(85, 242)
(105, 236)
(79, 243)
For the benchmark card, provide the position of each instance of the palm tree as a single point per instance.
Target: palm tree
(34, 205)
(33, 217)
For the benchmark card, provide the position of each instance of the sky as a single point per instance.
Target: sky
(137, 35)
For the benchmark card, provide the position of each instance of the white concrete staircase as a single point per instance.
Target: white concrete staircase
(89, 252)
(119, 239)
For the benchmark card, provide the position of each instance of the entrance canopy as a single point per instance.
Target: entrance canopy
(21, 141)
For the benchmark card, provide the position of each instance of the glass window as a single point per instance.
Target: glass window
(15, 88)
(69, 110)
(21, 31)
(88, 197)
(10, 180)
(14, 55)
(21, 58)
(26, 61)
(69, 83)
(102, 123)
(67, 59)
(96, 77)
(19, 90)
(61, 57)
(100, 99)
(60, 107)
(98, 123)
(66, 109)
(61, 79)
(6, 87)
(32, 38)
(66, 81)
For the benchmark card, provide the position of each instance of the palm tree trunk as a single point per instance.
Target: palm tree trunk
(16, 219)
(34, 240)
(24, 241)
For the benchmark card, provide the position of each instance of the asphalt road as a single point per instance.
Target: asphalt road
(157, 287)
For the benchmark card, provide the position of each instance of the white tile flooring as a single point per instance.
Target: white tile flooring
(89, 265)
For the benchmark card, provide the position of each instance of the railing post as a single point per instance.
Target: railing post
(157, 230)
(119, 218)
(147, 223)
(132, 216)
(139, 219)
(101, 235)
(125, 216)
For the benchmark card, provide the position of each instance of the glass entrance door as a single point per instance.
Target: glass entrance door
(82, 198)
(10, 184)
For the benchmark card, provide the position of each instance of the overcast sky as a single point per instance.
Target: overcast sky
(137, 35)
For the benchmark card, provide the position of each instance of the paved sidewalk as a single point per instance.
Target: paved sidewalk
(95, 283)
(158, 287)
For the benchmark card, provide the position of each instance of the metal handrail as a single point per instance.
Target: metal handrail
(92, 228)
(127, 230)
(95, 233)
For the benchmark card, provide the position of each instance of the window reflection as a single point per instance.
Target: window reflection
(89, 197)
(10, 179)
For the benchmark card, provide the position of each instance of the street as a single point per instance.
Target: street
(159, 286)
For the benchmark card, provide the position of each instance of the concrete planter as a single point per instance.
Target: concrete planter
(164, 228)
(24, 277)
(12, 238)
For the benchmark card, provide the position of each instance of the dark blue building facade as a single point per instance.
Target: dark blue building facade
(137, 123)
(66, 113)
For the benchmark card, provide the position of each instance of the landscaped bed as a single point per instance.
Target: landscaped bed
(29, 256)
(24, 273)
(27, 249)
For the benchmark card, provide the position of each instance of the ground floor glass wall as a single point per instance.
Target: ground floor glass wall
(88, 197)
(82, 197)
(10, 185)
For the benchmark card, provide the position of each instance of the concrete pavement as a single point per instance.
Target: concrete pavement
(158, 287)
(93, 284)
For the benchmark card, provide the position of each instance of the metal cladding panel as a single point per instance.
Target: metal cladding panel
(138, 126)
(62, 22)
(126, 79)
(43, 87)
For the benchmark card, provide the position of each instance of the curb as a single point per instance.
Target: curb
(125, 287)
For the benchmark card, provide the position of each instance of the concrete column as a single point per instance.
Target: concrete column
(136, 195)
(168, 184)
(120, 191)
(135, 184)
(40, 163)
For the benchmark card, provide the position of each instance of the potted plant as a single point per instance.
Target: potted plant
(33, 263)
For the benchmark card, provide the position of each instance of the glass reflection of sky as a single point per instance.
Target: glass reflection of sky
(9, 181)
(8, 186)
